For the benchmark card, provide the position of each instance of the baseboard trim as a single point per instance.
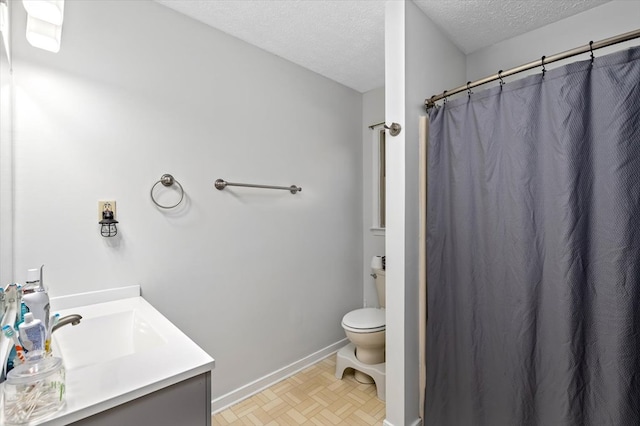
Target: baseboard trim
(250, 389)
(416, 422)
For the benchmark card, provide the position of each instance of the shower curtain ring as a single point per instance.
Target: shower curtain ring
(544, 70)
(444, 96)
(469, 92)
(591, 50)
(501, 80)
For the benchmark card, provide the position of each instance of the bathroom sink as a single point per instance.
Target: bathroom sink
(103, 337)
(122, 349)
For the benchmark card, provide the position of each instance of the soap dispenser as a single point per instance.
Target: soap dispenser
(35, 297)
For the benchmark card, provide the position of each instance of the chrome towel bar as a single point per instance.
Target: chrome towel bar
(222, 184)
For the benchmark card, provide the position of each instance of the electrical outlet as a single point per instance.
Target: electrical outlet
(110, 205)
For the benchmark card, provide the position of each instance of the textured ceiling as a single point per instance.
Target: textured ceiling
(474, 24)
(344, 39)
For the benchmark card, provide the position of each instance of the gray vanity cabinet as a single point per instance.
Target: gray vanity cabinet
(186, 403)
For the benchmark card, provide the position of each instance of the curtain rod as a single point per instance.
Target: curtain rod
(394, 129)
(431, 102)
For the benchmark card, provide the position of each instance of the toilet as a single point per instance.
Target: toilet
(365, 329)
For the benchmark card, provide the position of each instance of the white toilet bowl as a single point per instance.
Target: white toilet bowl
(369, 346)
(365, 329)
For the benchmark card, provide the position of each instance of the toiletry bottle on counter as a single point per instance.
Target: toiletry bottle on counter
(32, 335)
(35, 297)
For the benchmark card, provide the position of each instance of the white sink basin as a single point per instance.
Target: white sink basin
(122, 349)
(101, 338)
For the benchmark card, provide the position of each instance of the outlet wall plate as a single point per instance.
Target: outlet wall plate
(110, 204)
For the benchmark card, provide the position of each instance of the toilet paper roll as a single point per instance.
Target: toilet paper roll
(376, 262)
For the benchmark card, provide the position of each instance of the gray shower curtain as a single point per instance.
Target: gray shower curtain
(533, 242)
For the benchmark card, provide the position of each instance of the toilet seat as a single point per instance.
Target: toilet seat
(365, 320)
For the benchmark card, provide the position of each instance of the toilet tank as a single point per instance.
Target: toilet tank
(380, 286)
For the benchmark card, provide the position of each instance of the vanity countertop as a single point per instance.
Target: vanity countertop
(120, 377)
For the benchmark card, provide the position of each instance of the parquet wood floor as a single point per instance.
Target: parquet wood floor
(311, 397)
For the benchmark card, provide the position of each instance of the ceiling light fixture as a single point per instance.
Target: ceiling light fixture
(4, 28)
(44, 23)
(4, 17)
(43, 35)
(51, 11)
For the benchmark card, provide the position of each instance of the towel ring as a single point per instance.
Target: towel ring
(167, 180)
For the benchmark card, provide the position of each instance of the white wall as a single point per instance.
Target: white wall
(258, 278)
(373, 242)
(420, 60)
(607, 20)
(6, 166)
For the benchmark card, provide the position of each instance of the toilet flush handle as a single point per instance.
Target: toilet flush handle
(374, 275)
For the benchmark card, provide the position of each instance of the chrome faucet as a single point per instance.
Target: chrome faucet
(73, 319)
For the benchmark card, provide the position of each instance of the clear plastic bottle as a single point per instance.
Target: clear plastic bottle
(33, 336)
(35, 298)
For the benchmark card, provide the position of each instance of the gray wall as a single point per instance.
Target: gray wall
(259, 279)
